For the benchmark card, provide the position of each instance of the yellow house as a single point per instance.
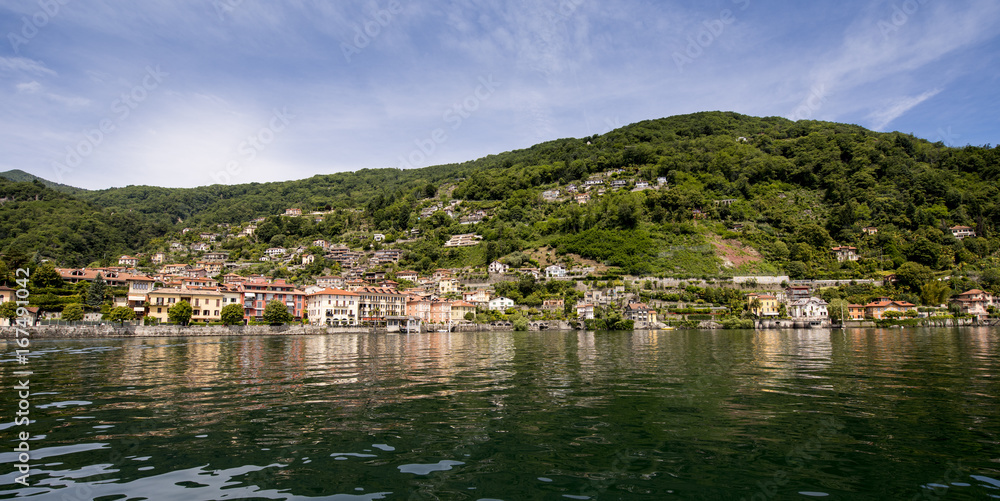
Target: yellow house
(460, 308)
(206, 303)
(449, 286)
(762, 305)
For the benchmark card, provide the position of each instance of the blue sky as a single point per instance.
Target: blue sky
(189, 93)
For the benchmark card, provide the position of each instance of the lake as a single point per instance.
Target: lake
(684, 414)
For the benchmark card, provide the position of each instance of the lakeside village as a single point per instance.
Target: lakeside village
(374, 293)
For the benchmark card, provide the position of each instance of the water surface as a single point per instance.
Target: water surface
(856, 414)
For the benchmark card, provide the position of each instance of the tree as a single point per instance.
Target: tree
(46, 276)
(8, 310)
(96, 291)
(913, 276)
(121, 314)
(180, 313)
(470, 316)
(276, 313)
(837, 309)
(72, 312)
(232, 314)
(935, 292)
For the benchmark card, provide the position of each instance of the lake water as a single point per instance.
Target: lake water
(857, 414)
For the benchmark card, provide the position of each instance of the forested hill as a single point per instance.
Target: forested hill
(792, 189)
(20, 176)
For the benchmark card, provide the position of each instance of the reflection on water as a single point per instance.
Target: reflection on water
(856, 414)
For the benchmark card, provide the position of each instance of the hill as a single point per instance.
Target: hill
(20, 176)
(705, 195)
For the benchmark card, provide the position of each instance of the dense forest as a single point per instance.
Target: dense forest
(783, 191)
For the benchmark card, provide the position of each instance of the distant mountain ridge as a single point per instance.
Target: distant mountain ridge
(19, 176)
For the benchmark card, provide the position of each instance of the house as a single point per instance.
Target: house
(478, 296)
(550, 195)
(593, 182)
(208, 236)
(330, 281)
(258, 291)
(275, 252)
(582, 198)
(441, 274)
(585, 311)
(661, 181)
(796, 292)
(641, 185)
(553, 304)
(408, 275)
(248, 231)
(555, 271)
(206, 304)
(726, 202)
(378, 237)
(138, 293)
(808, 308)
(159, 258)
(308, 259)
(974, 302)
(129, 261)
(855, 312)
(845, 253)
(220, 257)
(377, 303)
(200, 247)
(460, 308)
(386, 256)
(878, 308)
(762, 305)
(619, 184)
(321, 243)
(463, 240)
(498, 268)
(332, 307)
(639, 312)
(961, 232)
(293, 212)
(869, 230)
(501, 303)
(449, 286)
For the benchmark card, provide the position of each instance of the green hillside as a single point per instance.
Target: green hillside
(20, 176)
(741, 195)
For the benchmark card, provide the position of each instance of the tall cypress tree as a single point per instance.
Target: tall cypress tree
(95, 294)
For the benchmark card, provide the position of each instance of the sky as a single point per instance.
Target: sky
(178, 93)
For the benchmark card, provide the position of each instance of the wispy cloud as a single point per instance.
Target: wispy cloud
(897, 107)
(565, 68)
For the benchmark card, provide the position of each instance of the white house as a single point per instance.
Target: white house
(585, 311)
(496, 267)
(961, 232)
(378, 237)
(275, 251)
(308, 259)
(810, 307)
(128, 261)
(333, 307)
(555, 271)
(501, 303)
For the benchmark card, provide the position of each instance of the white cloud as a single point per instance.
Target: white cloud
(24, 65)
(897, 107)
(28, 87)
